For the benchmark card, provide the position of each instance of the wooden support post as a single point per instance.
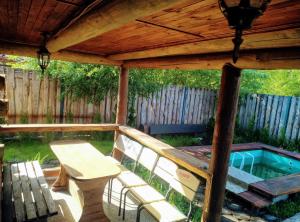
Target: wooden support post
(222, 141)
(122, 97)
(122, 104)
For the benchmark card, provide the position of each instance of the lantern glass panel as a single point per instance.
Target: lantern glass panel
(232, 3)
(256, 3)
(40, 59)
(45, 59)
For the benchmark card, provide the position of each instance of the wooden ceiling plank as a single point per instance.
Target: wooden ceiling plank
(287, 58)
(34, 12)
(132, 37)
(41, 24)
(13, 7)
(117, 43)
(184, 8)
(204, 13)
(283, 38)
(52, 21)
(41, 15)
(30, 51)
(4, 13)
(67, 10)
(109, 17)
(170, 28)
(24, 7)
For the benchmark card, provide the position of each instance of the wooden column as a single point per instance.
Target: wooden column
(222, 141)
(122, 97)
(122, 104)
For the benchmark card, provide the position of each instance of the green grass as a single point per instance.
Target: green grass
(30, 149)
(177, 141)
(285, 209)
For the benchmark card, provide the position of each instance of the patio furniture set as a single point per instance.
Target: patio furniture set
(85, 172)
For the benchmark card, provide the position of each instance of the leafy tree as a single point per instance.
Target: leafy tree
(282, 82)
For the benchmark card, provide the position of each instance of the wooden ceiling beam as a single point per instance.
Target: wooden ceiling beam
(285, 58)
(111, 16)
(274, 39)
(70, 56)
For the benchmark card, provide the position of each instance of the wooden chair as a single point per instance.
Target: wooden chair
(165, 170)
(130, 149)
(184, 183)
(140, 155)
(147, 159)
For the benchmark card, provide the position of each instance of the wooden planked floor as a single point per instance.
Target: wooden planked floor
(278, 186)
(255, 199)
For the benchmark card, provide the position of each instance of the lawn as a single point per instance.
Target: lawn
(39, 150)
(30, 148)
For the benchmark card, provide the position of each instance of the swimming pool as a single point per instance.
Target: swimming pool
(264, 164)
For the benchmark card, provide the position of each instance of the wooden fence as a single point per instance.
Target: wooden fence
(177, 105)
(279, 115)
(39, 100)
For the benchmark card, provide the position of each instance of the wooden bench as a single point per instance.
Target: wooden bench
(173, 129)
(26, 195)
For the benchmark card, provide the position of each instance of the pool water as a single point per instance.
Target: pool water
(265, 171)
(264, 164)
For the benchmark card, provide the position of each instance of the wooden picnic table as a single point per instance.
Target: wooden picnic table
(83, 165)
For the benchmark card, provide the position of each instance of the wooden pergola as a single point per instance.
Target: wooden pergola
(169, 34)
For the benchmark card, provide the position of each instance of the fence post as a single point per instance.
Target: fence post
(222, 141)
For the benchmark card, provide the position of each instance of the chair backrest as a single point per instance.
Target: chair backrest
(165, 169)
(129, 147)
(185, 183)
(148, 158)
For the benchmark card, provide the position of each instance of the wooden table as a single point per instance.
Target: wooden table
(87, 168)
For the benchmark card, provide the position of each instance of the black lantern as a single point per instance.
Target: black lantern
(43, 55)
(240, 15)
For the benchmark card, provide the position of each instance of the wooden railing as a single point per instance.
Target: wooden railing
(182, 159)
(15, 128)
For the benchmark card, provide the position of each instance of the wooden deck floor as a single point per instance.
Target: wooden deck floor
(278, 186)
(69, 209)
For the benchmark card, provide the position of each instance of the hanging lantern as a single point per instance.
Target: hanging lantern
(240, 15)
(43, 55)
